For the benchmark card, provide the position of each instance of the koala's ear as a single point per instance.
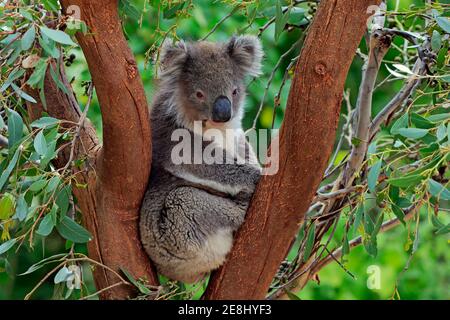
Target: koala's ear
(172, 55)
(247, 53)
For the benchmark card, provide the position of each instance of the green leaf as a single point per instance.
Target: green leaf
(38, 73)
(72, 231)
(142, 288)
(394, 193)
(13, 75)
(296, 16)
(26, 14)
(44, 122)
(5, 174)
(49, 46)
(171, 12)
(441, 132)
(21, 208)
(2, 123)
(292, 296)
(40, 144)
(439, 117)
(280, 20)
(42, 263)
(7, 245)
(421, 122)
(62, 199)
(444, 230)
(401, 122)
(7, 206)
(436, 41)
(358, 216)
(412, 133)
(38, 185)
(374, 173)
(345, 245)
(50, 5)
(309, 242)
(444, 23)
(28, 38)
(53, 183)
(438, 190)
(398, 212)
(15, 128)
(23, 94)
(57, 36)
(57, 80)
(406, 181)
(46, 226)
(370, 244)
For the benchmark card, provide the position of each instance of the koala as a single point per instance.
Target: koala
(191, 210)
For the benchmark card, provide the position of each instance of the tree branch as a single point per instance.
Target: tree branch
(123, 163)
(306, 141)
(379, 45)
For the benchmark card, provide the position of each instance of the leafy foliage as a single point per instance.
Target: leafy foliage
(404, 176)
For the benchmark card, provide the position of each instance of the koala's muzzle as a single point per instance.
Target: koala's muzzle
(221, 111)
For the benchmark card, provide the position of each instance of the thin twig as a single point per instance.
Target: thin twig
(346, 127)
(386, 226)
(271, 77)
(80, 125)
(221, 21)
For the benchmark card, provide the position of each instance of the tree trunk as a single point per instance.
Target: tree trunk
(117, 173)
(306, 141)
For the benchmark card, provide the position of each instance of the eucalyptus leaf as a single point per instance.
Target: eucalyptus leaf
(374, 173)
(46, 226)
(413, 133)
(15, 128)
(28, 38)
(40, 144)
(309, 242)
(7, 203)
(57, 36)
(11, 165)
(438, 190)
(444, 23)
(21, 208)
(38, 73)
(5, 246)
(436, 41)
(405, 181)
(23, 94)
(44, 122)
(72, 231)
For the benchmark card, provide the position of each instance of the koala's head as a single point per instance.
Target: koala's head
(207, 79)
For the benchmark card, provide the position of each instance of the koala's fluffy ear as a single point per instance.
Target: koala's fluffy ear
(172, 55)
(247, 53)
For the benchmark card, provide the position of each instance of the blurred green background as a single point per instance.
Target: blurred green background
(428, 276)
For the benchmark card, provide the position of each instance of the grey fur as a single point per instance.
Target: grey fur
(190, 211)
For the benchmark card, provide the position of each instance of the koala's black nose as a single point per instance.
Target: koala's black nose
(221, 109)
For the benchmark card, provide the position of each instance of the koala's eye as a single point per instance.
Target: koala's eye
(199, 94)
(235, 92)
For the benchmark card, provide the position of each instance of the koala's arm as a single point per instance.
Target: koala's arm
(228, 178)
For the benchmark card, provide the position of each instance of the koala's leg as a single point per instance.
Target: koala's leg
(196, 232)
